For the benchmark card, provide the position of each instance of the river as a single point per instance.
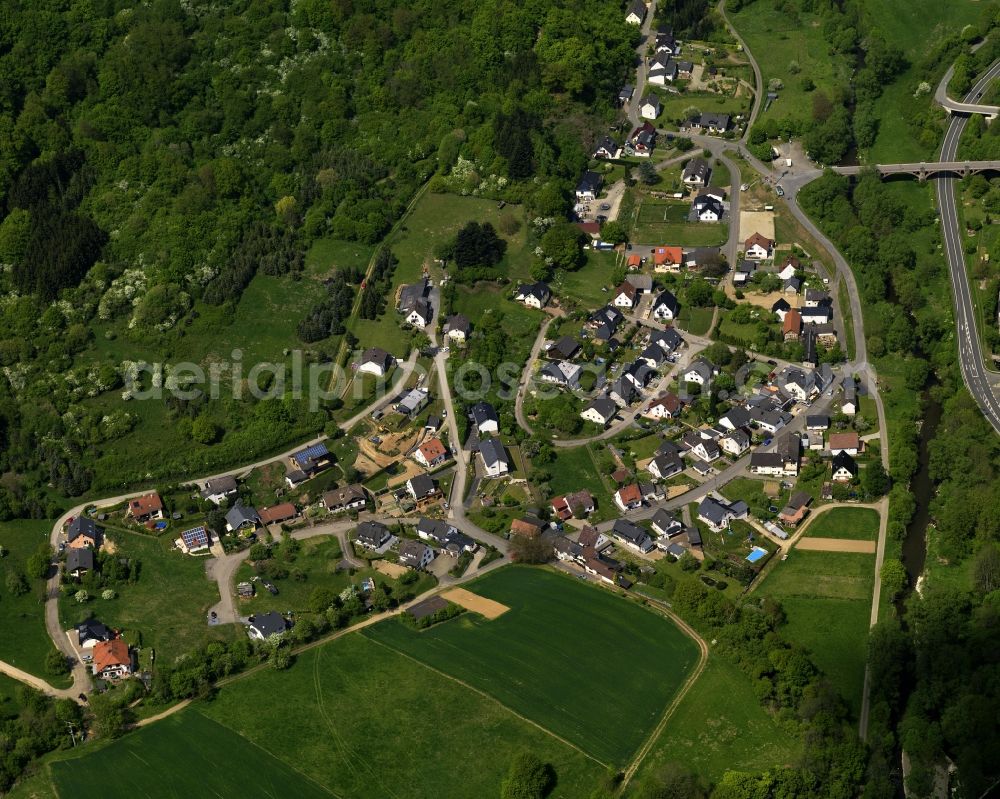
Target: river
(922, 488)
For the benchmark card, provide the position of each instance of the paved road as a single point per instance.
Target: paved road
(974, 369)
(967, 104)
(758, 95)
(522, 386)
(640, 73)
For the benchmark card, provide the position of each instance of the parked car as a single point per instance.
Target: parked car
(605, 206)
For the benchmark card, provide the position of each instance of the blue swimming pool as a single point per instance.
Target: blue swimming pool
(756, 554)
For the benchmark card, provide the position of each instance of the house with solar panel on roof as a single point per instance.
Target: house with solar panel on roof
(197, 539)
(310, 461)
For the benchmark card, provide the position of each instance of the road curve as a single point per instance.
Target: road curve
(970, 355)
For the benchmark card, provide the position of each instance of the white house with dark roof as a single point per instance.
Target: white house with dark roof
(589, 187)
(636, 12)
(415, 554)
(484, 416)
(666, 307)
(496, 462)
(376, 361)
(696, 172)
(662, 70)
(650, 107)
(631, 535)
(600, 411)
(533, 295)
(607, 148)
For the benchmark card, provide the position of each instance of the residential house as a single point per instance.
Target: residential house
(712, 122)
(667, 259)
(263, 625)
(789, 448)
(780, 308)
(791, 326)
(296, 477)
(448, 538)
(623, 392)
(639, 374)
(566, 550)
(665, 406)
(219, 489)
(735, 442)
(634, 261)
(700, 372)
(422, 488)
(345, 498)
(484, 416)
(797, 383)
(787, 271)
(636, 12)
(533, 295)
(372, 535)
(684, 69)
(844, 467)
(707, 450)
(628, 497)
(820, 315)
(89, 633)
(758, 247)
(605, 322)
(700, 257)
(770, 464)
(414, 401)
(561, 373)
(495, 460)
(845, 442)
(665, 307)
(662, 70)
(791, 285)
(735, 418)
(817, 298)
(665, 41)
(625, 94)
(527, 527)
(817, 422)
(598, 568)
(376, 361)
(666, 524)
(457, 328)
(663, 467)
(718, 514)
(578, 504)
(626, 296)
(79, 561)
(668, 340)
(564, 349)
(796, 509)
(653, 356)
(642, 140)
(849, 405)
(278, 514)
(431, 453)
(708, 207)
(743, 273)
(111, 660)
(589, 187)
(768, 419)
(643, 284)
(607, 148)
(84, 532)
(415, 554)
(600, 411)
(696, 172)
(145, 508)
(197, 539)
(631, 535)
(242, 517)
(414, 304)
(650, 107)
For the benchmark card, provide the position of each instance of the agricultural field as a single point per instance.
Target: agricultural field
(657, 222)
(539, 658)
(168, 605)
(226, 764)
(720, 726)
(855, 523)
(24, 642)
(827, 597)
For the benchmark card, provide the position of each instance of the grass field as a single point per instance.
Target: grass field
(167, 605)
(549, 655)
(914, 26)
(665, 222)
(585, 284)
(142, 761)
(721, 726)
(574, 469)
(696, 321)
(827, 598)
(777, 38)
(24, 642)
(674, 105)
(856, 523)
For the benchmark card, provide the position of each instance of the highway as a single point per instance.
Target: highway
(974, 372)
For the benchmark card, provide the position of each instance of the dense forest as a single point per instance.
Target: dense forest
(155, 158)
(936, 691)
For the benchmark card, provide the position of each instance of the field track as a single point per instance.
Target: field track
(837, 545)
(487, 608)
